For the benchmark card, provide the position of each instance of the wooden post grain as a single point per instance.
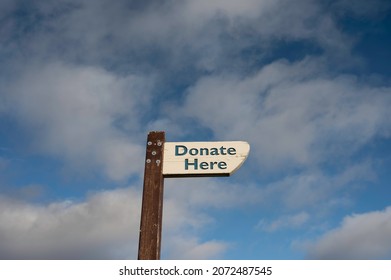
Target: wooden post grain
(152, 202)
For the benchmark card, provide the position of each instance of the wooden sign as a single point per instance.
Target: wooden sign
(178, 159)
(186, 159)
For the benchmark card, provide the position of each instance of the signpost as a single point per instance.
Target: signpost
(179, 159)
(152, 204)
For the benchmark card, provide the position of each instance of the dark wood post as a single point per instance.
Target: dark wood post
(152, 203)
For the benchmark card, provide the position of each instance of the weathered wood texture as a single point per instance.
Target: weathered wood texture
(152, 203)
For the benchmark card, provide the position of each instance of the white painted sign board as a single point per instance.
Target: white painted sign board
(184, 159)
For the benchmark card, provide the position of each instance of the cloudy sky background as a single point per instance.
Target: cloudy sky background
(306, 83)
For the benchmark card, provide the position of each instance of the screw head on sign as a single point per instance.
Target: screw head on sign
(154, 153)
(149, 143)
(148, 161)
(158, 161)
(159, 143)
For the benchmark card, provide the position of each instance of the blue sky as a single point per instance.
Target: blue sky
(306, 83)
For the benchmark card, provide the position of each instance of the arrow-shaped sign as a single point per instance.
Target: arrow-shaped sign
(185, 159)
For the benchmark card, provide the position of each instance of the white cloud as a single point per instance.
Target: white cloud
(270, 20)
(193, 249)
(293, 114)
(214, 193)
(285, 222)
(200, 34)
(106, 224)
(324, 189)
(315, 189)
(103, 226)
(72, 112)
(360, 236)
(209, 9)
(187, 203)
